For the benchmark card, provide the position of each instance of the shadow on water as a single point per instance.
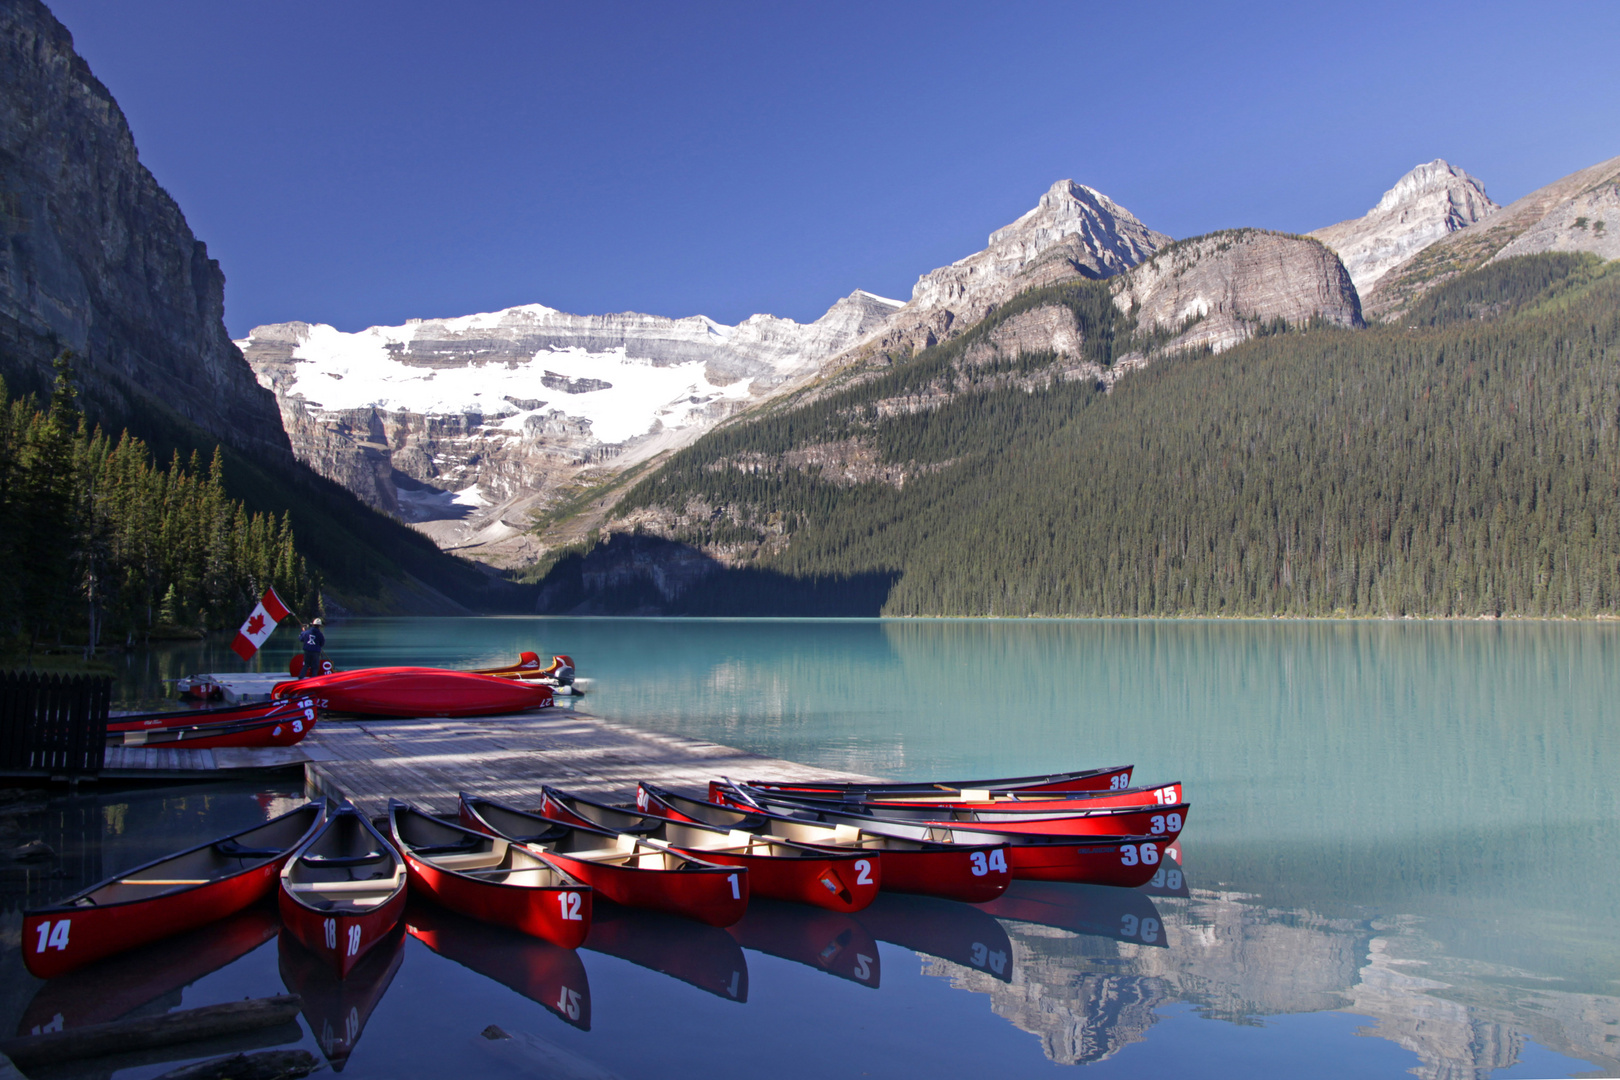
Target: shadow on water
(648, 575)
(697, 954)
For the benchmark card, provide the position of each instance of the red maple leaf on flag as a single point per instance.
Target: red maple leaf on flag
(255, 624)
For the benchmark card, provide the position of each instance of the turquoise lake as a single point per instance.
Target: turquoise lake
(1400, 859)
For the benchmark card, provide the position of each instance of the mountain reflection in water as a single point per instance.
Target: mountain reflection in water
(1401, 827)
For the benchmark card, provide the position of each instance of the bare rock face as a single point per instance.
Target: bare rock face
(97, 258)
(1428, 203)
(1218, 290)
(1074, 232)
(465, 426)
(1547, 219)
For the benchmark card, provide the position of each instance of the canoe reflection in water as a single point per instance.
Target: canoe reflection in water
(337, 1008)
(546, 974)
(117, 986)
(703, 956)
(960, 933)
(829, 941)
(1121, 914)
(1171, 878)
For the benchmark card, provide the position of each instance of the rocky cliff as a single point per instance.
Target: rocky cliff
(96, 257)
(1073, 232)
(468, 426)
(1579, 212)
(1218, 290)
(1430, 202)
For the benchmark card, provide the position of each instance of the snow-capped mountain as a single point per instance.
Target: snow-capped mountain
(466, 425)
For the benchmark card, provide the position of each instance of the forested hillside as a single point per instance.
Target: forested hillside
(1463, 462)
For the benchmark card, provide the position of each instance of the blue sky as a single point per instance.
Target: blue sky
(360, 163)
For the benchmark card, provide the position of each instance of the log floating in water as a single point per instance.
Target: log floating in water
(269, 1065)
(151, 1031)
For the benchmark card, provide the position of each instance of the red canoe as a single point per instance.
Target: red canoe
(1110, 779)
(971, 873)
(177, 892)
(837, 880)
(279, 731)
(419, 691)
(1126, 861)
(231, 714)
(344, 890)
(1162, 821)
(625, 868)
(491, 878)
(1039, 801)
(115, 987)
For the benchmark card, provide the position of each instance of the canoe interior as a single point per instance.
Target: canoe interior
(787, 828)
(588, 845)
(485, 858)
(702, 838)
(222, 858)
(347, 869)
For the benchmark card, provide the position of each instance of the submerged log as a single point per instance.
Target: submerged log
(269, 1065)
(146, 1032)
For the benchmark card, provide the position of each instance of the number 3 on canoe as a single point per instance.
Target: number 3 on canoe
(569, 902)
(53, 935)
(1129, 856)
(982, 865)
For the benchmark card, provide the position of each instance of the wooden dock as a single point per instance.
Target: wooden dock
(428, 762)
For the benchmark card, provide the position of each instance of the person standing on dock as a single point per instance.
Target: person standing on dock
(313, 641)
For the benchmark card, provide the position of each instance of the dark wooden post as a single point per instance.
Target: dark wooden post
(54, 725)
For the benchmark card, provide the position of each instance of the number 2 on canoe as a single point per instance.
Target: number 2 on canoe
(736, 892)
(53, 935)
(570, 906)
(863, 872)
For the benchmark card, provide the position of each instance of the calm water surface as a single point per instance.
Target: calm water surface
(1400, 859)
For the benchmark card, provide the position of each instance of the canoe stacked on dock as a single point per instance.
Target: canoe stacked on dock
(276, 723)
(419, 691)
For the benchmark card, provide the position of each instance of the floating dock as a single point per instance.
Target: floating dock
(428, 762)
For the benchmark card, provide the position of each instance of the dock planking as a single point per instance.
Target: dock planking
(428, 762)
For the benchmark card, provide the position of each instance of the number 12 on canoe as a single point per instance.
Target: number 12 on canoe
(570, 903)
(53, 935)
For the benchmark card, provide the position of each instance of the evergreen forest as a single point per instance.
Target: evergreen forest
(101, 545)
(1462, 459)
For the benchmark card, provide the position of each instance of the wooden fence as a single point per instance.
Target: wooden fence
(53, 725)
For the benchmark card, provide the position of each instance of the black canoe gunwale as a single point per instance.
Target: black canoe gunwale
(385, 851)
(319, 807)
(1005, 783)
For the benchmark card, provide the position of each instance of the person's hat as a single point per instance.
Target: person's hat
(320, 622)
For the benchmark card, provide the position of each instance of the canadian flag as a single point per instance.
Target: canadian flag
(260, 625)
